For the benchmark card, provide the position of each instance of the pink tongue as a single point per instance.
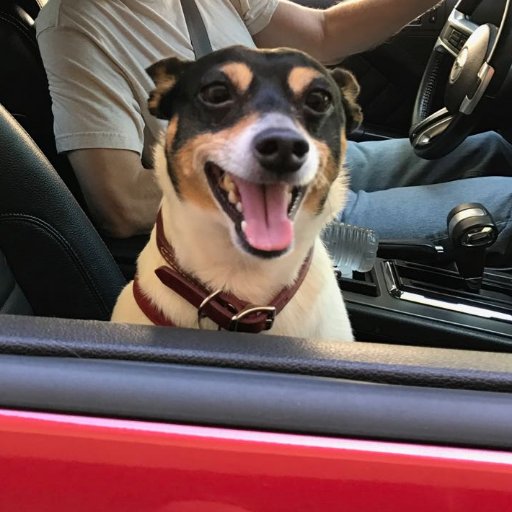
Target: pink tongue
(265, 210)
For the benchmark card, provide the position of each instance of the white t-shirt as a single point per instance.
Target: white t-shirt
(96, 51)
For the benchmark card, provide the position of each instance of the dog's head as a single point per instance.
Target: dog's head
(254, 138)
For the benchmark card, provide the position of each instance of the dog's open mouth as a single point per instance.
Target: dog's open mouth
(262, 213)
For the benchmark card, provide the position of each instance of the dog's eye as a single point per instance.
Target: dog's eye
(215, 94)
(318, 101)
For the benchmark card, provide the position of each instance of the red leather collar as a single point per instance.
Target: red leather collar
(226, 310)
(148, 308)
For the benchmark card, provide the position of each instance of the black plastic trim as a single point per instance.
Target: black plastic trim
(256, 400)
(372, 362)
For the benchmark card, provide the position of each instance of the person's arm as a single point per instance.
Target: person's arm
(332, 34)
(99, 125)
(122, 196)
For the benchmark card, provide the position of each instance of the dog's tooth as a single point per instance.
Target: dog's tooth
(232, 198)
(228, 183)
(239, 207)
(243, 225)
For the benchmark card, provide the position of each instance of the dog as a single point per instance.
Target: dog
(251, 167)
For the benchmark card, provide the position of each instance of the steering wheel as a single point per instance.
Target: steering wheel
(480, 57)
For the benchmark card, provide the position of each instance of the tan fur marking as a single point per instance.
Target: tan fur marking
(300, 77)
(343, 145)
(349, 91)
(327, 173)
(163, 83)
(240, 75)
(189, 165)
(172, 128)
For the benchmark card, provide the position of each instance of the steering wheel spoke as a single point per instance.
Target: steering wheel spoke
(434, 125)
(457, 30)
(466, 70)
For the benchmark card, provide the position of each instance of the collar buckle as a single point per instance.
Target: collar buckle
(224, 309)
(202, 306)
(269, 311)
(250, 309)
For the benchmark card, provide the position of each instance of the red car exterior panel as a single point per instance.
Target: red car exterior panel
(68, 463)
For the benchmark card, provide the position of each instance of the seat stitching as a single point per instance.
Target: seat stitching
(14, 22)
(56, 235)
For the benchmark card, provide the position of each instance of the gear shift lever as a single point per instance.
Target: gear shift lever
(471, 230)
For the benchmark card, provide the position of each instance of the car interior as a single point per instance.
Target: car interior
(434, 323)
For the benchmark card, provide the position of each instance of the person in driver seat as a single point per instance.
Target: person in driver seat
(96, 51)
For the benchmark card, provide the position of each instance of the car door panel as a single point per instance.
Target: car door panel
(96, 416)
(60, 463)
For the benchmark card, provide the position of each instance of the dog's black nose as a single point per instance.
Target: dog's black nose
(280, 150)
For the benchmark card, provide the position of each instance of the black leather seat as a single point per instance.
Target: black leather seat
(24, 93)
(51, 247)
(24, 87)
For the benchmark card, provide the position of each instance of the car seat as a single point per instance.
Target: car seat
(53, 251)
(24, 93)
(24, 87)
(52, 260)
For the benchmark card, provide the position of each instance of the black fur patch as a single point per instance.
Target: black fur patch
(268, 92)
(179, 87)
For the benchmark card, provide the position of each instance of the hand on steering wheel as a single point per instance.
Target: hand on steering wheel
(482, 57)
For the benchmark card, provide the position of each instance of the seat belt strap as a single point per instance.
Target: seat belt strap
(196, 29)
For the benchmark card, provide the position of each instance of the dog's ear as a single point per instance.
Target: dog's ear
(349, 92)
(165, 74)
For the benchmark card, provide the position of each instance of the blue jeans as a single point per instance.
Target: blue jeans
(401, 196)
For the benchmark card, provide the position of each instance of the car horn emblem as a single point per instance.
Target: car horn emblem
(458, 65)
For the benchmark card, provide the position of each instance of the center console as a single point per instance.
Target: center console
(409, 303)
(453, 301)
